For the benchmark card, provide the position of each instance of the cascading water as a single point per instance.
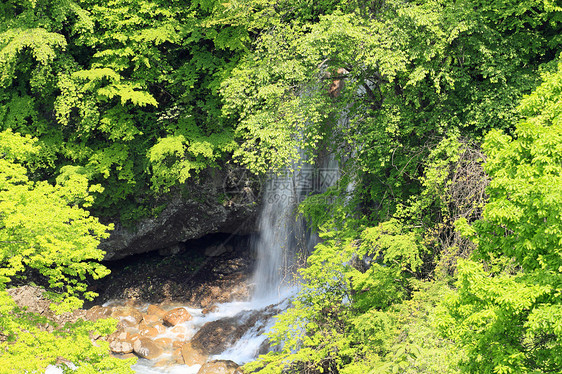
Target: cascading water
(282, 237)
(276, 244)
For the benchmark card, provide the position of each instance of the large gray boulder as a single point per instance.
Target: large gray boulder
(218, 202)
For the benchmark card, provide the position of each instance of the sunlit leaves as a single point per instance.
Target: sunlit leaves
(497, 310)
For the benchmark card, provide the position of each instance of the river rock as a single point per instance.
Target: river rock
(127, 312)
(177, 357)
(150, 319)
(160, 328)
(164, 342)
(192, 356)
(163, 363)
(216, 336)
(124, 356)
(148, 331)
(213, 203)
(156, 311)
(210, 309)
(146, 348)
(127, 324)
(179, 330)
(121, 346)
(176, 316)
(220, 367)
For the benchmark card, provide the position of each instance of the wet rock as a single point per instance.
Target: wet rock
(124, 356)
(127, 312)
(176, 316)
(214, 294)
(156, 311)
(127, 324)
(177, 344)
(160, 327)
(265, 347)
(192, 356)
(177, 357)
(146, 348)
(220, 367)
(150, 319)
(118, 346)
(179, 330)
(163, 363)
(121, 342)
(148, 331)
(164, 342)
(217, 336)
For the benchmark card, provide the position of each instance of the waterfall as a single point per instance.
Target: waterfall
(283, 236)
(275, 246)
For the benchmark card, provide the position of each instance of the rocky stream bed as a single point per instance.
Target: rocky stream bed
(183, 313)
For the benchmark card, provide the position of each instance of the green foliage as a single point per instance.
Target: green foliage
(424, 81)
(101, 84)
(45, 229)
(44, 226)
(507, 314)
(30, 349)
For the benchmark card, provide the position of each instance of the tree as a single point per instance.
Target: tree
(508, 307)
(108, 87)
(46, 233)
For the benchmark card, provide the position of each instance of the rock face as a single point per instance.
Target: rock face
(203, 212)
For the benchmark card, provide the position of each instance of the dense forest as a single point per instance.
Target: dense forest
(445, 116)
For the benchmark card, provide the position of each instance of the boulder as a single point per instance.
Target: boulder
(164, 342)
(124, 356)
(176, 316)
(220, 367)
(128, 313)
(217, 336)
(146, 348)
(210, 309)
(127, 324)
(121, 346)
(150, 319)
(191, 356)
(177, 357)
(156, 311)
(179, 330)
(160, 328)
(148, 331)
